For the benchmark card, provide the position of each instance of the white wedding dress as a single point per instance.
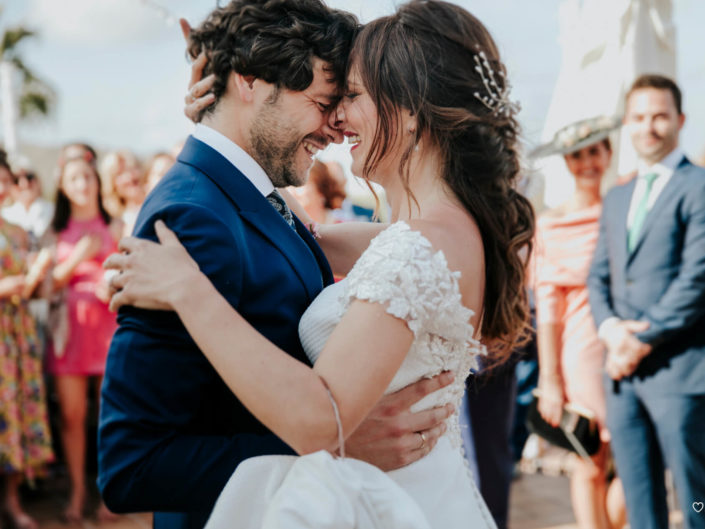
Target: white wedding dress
(400, 270)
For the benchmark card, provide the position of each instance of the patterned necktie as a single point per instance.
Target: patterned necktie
(640, 214)
(277, 202)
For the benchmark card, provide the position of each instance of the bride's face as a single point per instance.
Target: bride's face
(359, 118)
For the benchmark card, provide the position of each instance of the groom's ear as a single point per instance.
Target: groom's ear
(243, 86)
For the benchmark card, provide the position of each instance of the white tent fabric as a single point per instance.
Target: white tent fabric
(606, 44)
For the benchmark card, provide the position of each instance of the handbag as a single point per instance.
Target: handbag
(314, 491)
(576, 432)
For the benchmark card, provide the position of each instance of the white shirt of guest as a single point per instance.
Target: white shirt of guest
(236, 155)
(664, 169)
(36, 219)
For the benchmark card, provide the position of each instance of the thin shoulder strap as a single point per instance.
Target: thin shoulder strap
(341, 438)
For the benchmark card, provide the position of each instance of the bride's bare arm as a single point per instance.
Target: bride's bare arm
(273, 385)
(358, 361)
(344, 243)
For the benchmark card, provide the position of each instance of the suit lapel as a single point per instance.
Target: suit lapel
(667, 194)
(326, 272)
(621, 219)
(258, 213)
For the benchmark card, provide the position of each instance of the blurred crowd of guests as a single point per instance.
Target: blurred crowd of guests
(54, 319)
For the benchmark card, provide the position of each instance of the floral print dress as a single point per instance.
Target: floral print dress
(25, 441)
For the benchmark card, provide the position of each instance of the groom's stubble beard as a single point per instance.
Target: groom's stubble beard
(274, 145)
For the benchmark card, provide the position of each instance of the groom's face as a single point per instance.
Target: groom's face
(291, 127)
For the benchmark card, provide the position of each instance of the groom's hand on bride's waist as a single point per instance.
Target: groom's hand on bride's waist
(392, 436)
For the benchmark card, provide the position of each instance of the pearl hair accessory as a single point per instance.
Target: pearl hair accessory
(497, 100)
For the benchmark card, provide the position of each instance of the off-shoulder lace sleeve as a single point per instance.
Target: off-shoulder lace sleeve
(401, 270)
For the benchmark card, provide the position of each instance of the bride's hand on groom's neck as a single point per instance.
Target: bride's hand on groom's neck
(390, 436)
(198, 96)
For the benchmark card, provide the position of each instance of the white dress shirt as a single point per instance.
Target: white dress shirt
(236, 155)
(36, 219)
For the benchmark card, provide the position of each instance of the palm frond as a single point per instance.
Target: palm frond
(27, 74)
(34, 103)
(38, 96)
(12, 37)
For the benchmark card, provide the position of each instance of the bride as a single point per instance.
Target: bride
(427, 115)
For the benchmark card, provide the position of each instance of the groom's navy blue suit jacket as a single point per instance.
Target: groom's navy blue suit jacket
(171, 432)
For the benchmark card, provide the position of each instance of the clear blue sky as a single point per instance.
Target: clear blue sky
(120, 73)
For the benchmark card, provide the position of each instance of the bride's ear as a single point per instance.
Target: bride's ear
(409, 121)
(410, 125)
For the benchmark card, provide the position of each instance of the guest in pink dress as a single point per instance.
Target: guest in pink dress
(83, 326)
(571, 357)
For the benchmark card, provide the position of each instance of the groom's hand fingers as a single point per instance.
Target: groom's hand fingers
(389, 437)
(403, 399)
(431, 438)
(393, 450)
(427, 419)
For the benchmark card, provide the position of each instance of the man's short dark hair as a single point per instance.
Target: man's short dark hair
(659, 82)
(275, 41)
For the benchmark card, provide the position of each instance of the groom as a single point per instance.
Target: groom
(171, 433)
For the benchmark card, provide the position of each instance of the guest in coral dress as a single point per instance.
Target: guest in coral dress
(82, 325)
(571, 357)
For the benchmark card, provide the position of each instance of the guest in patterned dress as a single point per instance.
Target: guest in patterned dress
(82, 326)
(25, 443)
(570, 354)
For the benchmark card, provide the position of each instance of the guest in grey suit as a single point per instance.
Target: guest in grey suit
(647, 294)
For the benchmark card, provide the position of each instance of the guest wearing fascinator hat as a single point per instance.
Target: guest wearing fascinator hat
(570, 353)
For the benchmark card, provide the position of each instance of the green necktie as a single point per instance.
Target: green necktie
(640, 214)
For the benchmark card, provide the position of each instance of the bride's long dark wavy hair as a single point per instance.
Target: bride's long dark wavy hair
(422, 59)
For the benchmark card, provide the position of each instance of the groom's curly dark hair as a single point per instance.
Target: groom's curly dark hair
(275, 41)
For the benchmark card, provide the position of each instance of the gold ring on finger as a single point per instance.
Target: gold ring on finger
(423, 440)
